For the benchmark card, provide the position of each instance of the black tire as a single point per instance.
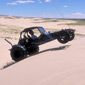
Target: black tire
(63, 37)
(72, 35)
(17, 53)
(33, 49)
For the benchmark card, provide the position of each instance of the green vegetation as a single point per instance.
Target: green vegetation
(78, 22)
(45, 20)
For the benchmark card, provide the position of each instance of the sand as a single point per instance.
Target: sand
(56, 64)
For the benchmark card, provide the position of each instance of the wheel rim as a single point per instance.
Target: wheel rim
(63, 38)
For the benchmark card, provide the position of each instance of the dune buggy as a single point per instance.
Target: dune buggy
(32, 37)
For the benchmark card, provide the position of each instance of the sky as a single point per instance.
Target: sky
(43, 8)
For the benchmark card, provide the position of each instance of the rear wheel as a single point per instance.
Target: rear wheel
(17, 53)
(72, 35)
(63, 37)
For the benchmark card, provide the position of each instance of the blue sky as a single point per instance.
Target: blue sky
(44, 8)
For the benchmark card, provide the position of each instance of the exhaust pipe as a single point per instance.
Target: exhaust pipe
(8, 42)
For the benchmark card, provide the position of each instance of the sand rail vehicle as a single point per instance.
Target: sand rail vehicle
(30, 39)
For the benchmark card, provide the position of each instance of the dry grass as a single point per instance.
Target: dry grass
(10, 26)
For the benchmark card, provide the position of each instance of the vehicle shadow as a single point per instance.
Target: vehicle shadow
(51, 49)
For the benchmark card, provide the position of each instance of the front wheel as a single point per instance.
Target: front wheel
(17, 53)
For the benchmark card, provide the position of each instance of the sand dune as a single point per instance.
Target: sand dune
(10, 25)
(57, 64)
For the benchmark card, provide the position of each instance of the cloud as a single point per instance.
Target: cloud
(20, 2)
(47, 1)
(78, 14)
(16, 2)
(66, 6)
(24, 1)
(44, 1)
(12, 3)
(75, 15)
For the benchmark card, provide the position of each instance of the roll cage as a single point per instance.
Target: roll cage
(25, 32)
